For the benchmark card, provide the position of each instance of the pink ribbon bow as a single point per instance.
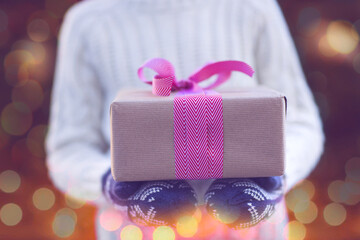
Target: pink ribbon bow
(165, 81)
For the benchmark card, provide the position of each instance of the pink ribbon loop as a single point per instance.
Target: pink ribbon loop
(165, 81)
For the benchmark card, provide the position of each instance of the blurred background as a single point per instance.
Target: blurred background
(324, 206)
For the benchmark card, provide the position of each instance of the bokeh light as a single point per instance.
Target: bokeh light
(16, 119)
(306, 212)
(38, 30)
(10, 214)
(187, 226)
(131, 232)
(163, 233)
(74, 203)
(36, 50)
(352, 168)
(49, 18)
(16, 63)
(30, 93)
(308, 187)
(299, 197)
(295, 231)
(334, 214)
(294, 197)
(17, 57)
(342, 36)
(43, 199)
(110, 220)
(64, 223)
(9, 181)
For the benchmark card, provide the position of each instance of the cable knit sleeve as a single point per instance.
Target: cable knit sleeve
(278, 67)
(77, 151)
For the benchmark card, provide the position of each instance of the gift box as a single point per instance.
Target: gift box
(202, 134)
(142, 141)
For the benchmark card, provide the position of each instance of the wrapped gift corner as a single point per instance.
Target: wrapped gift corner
(142, 134)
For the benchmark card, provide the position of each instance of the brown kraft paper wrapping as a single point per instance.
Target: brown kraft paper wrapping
(142, 138)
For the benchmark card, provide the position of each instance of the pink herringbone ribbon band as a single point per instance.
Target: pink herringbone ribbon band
(198, 115)
(198, 136)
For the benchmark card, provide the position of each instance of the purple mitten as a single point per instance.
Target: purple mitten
(162, 202)
(151, 203)
(243, 203)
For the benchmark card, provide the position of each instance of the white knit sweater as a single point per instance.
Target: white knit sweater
(103, 43)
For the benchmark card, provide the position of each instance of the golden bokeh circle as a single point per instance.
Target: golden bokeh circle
(163, 233)
(9, 181)
(308, 187)
(64, 223)
(187, 226)
(63, 226)
(10, 214)
(295, 231)
(43, 199)
(131, 232)
(334, 214)
(38, 30)
(36, 50)
(342, 36)
(295, 196)
(306, 215)
(16, 65)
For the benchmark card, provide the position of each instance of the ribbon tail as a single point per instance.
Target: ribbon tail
(223, 69)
